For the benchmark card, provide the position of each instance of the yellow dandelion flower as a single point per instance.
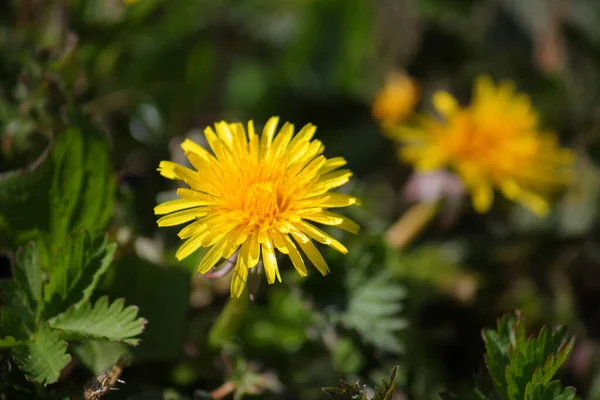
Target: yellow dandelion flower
(494, 143)
(257, 194)
(397, 99)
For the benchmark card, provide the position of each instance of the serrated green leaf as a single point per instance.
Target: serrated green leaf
(76, 271)
(534, 361)
(44, 357)
(113, 322)
(523, 368)
(497, 344)
(373, 311)
(70, 187)
(9, 341)
(552, 391)
(386, 391)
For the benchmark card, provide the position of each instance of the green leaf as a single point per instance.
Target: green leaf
(76, 271)
(17, 316)
(113, 322)
(82, 191)
(496, 348)
(27, 274)
(553, 391)
(24, 208)
(523, 368)
(70, 187)
(21, 296)
(95, 206)
(373, 312)
(9, 341)
(386, 391)
(44, 357)
(99, 356)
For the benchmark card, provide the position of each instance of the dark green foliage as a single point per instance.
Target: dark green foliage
(522, 366)
(68, 188)
(32, 337)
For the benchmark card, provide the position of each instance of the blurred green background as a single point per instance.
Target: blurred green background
(152, 73)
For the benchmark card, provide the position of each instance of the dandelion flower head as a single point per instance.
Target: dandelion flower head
(493, 143)
(256, 195)
(397, 99)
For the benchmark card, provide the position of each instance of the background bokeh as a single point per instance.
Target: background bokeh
(154, 72)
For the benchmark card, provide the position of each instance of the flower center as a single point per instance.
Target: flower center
(261, 203)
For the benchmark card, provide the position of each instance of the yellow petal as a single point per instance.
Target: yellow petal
(332, 164)
(192, 147)
(268, 133)
(175, 205)
(282, 140)
(483, 196)
(181, 217)
(311, 170)
(167, 169)
(253, 250)
(279, 241)
(295, 256)
(320, 236)
(212, 256)
(535, 203)
(195, 195)
(335, 179)
(333, 219)
(224, 133)
(187, 175)
(188, 247)
(239, 277)
(270, 262)
(193, 229)
(311, 252)
(304, 135)
(335, 200)
(445, 103)
(511, 189)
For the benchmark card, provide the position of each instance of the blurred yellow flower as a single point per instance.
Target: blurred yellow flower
(494, 143)
(255, 194)
(397, 99)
